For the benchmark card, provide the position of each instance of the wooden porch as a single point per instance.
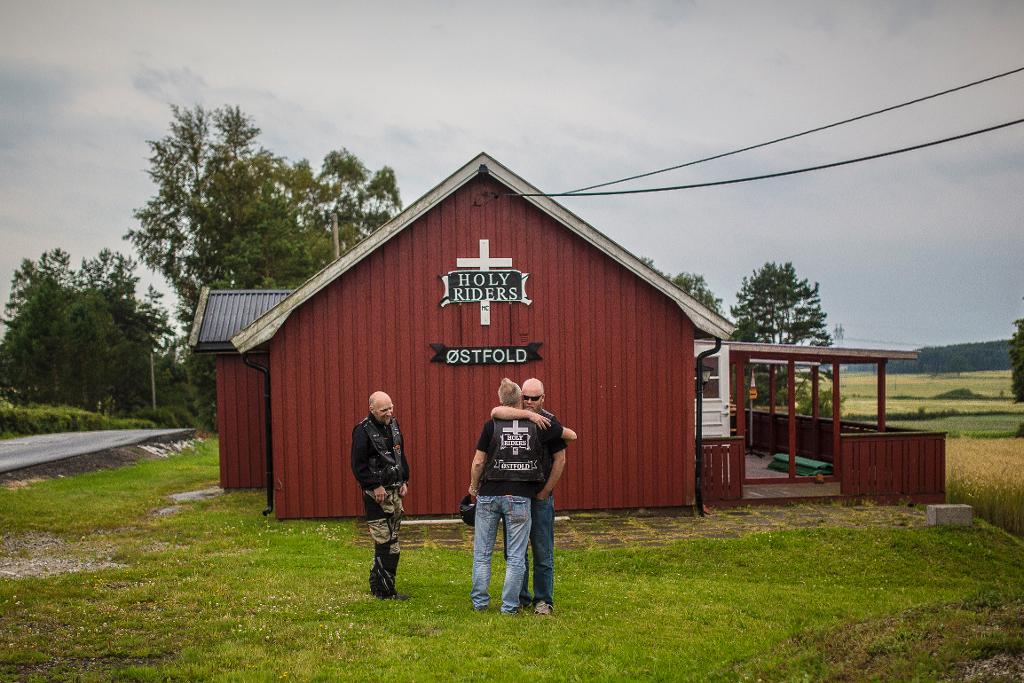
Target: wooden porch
(867, 460)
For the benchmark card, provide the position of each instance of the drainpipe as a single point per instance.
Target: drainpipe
(700, 418)
(266, 419)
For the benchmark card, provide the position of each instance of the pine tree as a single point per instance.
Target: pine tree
(80, 338)
(775, 306)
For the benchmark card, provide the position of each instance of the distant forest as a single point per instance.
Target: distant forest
(993, 355)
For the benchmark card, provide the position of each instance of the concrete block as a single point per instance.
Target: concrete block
(950, 515)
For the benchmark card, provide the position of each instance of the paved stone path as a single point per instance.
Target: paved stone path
(619, 529)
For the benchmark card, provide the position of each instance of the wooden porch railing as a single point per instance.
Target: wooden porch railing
(813, 437)
(894, 463)
(771, 434)
(813, 440)
(722, 476)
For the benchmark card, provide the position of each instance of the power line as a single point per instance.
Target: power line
(886, 341)
(806, 132)
(772, 175)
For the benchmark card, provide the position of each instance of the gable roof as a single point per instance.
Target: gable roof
(221, 313)
(707, 322)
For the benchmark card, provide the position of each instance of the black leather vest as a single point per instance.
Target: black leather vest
(515, 452)
(385, 463)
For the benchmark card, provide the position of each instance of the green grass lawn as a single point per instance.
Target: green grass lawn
(216, 591)
(921, 402)
(980, 426)
(993, 384)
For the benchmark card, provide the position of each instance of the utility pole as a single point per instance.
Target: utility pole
(337, 240)
(152, 378)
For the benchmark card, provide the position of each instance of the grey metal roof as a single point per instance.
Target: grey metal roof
(223, 312)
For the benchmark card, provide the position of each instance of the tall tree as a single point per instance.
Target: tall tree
(696, 286)
(775, 306)
(36, 349)
(362, 201)
(80, 338)
(229, 213)
(1017, 361)
(693, 284)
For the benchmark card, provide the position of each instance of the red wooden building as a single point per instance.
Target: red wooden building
(433, 306)
(471, 283)
(240, 406)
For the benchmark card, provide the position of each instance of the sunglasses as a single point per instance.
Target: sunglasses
(532, 398)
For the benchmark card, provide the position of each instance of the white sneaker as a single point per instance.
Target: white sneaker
(544, 609)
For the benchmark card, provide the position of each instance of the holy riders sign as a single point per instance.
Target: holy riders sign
(466, 286)
(482, 285)
(477, 283)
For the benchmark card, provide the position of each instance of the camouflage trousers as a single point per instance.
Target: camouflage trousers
(385, 529)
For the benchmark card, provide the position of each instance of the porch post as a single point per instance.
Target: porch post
(791, 392)
(881, 395)
(836, 420)
(771, 410)
(815, 425)
(740, 392)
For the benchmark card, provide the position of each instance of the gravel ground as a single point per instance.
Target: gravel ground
(45, 554)
(1002, 667)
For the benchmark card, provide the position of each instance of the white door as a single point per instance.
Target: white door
(715, 420)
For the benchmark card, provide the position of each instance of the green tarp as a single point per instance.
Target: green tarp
(805, 467)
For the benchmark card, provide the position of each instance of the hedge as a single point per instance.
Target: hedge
(23, 420)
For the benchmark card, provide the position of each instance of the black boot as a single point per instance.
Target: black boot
(390, 562)
(382, 574)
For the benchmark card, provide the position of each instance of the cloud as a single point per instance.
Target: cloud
(31, 98)
(568, 94)
(171, 85)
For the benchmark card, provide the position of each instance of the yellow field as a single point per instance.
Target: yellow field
(989, 475)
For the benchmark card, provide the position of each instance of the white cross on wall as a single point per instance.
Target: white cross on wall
(484, 262)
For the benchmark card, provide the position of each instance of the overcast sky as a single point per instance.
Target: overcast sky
(918, 249)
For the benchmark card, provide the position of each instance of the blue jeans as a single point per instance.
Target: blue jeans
(542, 545)
(515, 511)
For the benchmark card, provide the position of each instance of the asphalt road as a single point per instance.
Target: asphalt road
(26, 451)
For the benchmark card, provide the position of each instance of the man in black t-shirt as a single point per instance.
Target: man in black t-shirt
(507, 472)
(542, 506)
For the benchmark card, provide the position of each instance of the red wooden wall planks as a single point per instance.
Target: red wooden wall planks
(240, 423)
(722, 476)
(617, 365)
(893, 463)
